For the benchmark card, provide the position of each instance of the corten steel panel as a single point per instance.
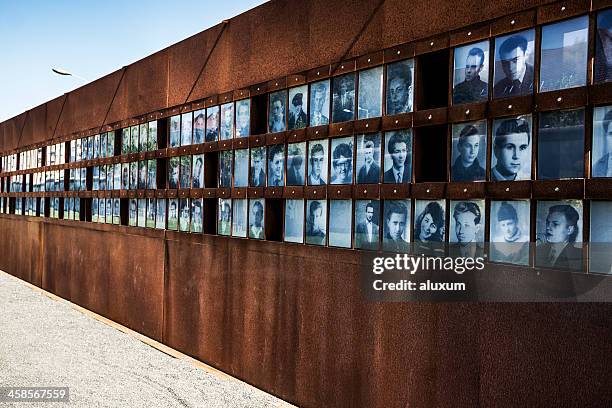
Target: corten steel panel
(20, 248)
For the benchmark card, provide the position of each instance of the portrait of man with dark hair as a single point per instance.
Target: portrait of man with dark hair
(317, 164)
(556, 242)
(398, 160)
(467, 147)
(243, 115)
(472, 89)
(225, 217)
(184, 214)
(173, 214)
(198, 172)
(276, 161)
(368, 156)
(196, 215)
(399, 87)
(212, 123)
(468, 229)
(258, 167)
(227, 121)
(342, 161)
(319, 103)
(199, 126)
(173, 172)
(256, 219)
(297, 113)
(602, 142)
(316, 220)
(295, 164)
(511, 158)
(343, 98)
(513, 72)
(277, 117)
(395, 227)
(226, 159)
(366, 224)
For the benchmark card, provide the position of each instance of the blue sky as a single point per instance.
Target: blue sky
(89, 39)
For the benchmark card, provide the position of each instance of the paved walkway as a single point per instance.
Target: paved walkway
(49, 342)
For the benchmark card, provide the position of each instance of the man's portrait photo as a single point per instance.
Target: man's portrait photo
(367, 224)
(173, 214)
(317, 162)
(370, 93)
(224, 220)
(398, 156)
(152, 174)
(469, 154)
(199, 126)
(186, 130)
(257, 177)
(396, 234)
(276, 165)
(277, 112)
(471, 73)
(197, 179)
(296, 163)
(513, 71)
(185, 174)
(602, 71)
(294, 221)
(225, 168)
(559, 234)
(343, 98)
(511, 153)
(239, 218)
(319, 103)
(509, 231)
(125, 176)
(173, 141)
(368, 158)
(316, 222)
(256, 218)
(467, 228)
(342, 160)
(600, 243)
(340, 217)
(602, 142)
(184, 214)
(142, 175)
(561, 144)
(400, 92)
(241, 168)
(196, 215)
(298, 106)
(132, 213)
(212, 124)
(243, 117)
(227, 121)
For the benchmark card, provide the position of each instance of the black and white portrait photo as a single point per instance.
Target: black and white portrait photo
(340, 217)
(600, 244)
(367, 222)
(514, 59)
(94, 208)
(370, 93)
(398, 156)
(559, 234)
(199, 126)
(602, 142)
(196, 215)
(134, 175)
(239, 218)
(564, 54)
(125, 144)
(197, 178)
(150, 219)
(319, 103)
(185, 173)
(132, 212)
(142, 175)
(184, 214)
(212, 124)
(257, 177)
(509, 231)
(298, 107)
(175, 133)
(256, 218)
(343, 98)
(243, 117)
(226, 129)
(160, 214)
(276, 165)
(342, 160)
(561, 144)
(294, 221)
(400, 92)
(471, 73)
(368, 158)
(143, 134)
(316, 222)
(296, 163)
(173, 172)
(116, 210)
(152, 143)
(241, 168)
(602, 71)
(396, 226)
(173, 214)
(224, 219)
(511, 152)
(225, 168)
(467, 227)
(469, 154)
(186, 129)
(142, 212)
(317, 162)
(277, 114)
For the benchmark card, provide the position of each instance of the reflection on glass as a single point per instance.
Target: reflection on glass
(185, 172)
(212, 123)
(239, 218)
(294, 221)
(370, 93)
(160, 214)
(316, 222)
(241, 168)
(340, 217)
(256, 218)
(559, 234)
(471, 74)
(511, 153)
(342, 160)
(142, 212)
(184, 214)
(143, 137)
(367, 224)
(561, 144)
(199, 126)
(224, 221)
(298, 106)
(601, 237)
(469, 151)
(152, 144)
(368, 158)
(603, 48)
(398, 156)
(317, 162)
(258, 167)
(602, 142)
(400, 93)
(227, 121)
(150, 222)
(509, 231)
(225, 168)
(175, 131)
(125, 142)
(276, 160)
(319, 103)
(343, 98)
(243, 115)
(173, 172)
(152, 177)
(513, 74)
(277, 110)
(196, 215)
(296, 164)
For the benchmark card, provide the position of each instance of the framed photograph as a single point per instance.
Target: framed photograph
(239, 218)
(186, 128)
(316, 222)
(256, 218)
(96, 147)
(367, 222)
(319, 103)
(133, 175)
(430, 221)
(243, 117)
(116, 177)
(103, 147)
(600, 245)
(109, 176)
(90, 144)
(276, 165)
(224, 221)
(102, 182)
(241, 168)
(150, 217)
(257, 176)
(175, 131)
(96, 179)
(160, 214)
(561, 145)
(559, 234)
(142, 174)
(396, 225)
(342, 160)
(225, 168)
(116, 211)
(298, 106)
(514, 61)
(370, 93)
(185, 172)
(94, 209)
(469, 155)
(142, 212)
(511, 152)
(143, 137)
(343, 98)
(564, 54)
(173, 214)
(152, 174)
(471, 73)
(152, 143)
(340, 223)
(467, 227)
(317, 162)
(197, 179)
(398, 156)
(294, 221)
(173, 172)
(134, 139)
(368, 158)
(602, 142)
(196, 215)
(227, 121)
(296, 163)
(184, 214)
(277, 112)
(400, 92)
(212, 123)
(509, 231)
(110, 144)
(602, 70)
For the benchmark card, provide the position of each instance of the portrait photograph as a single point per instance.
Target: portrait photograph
(185, 172)
(298, 107)
(512, 147)
(109, 176)
(125, 142)
(143, 137)
(429, 221)
(142, 212)
(152, 174)
(400, 92)
(367, 224)
(102, 182)
(243, 117)
(561, 145)
(319, 103)
(102, 210)
(317, 162)
(294, 221)
(116, 177)
(296, 163)
(343, 98)
(368, 158)
(175, 131)
(396, 226)
(469, 151)
(340, 223)
(398, 157)
(173, 214)
(90, 143)
(186, 130)
(196, 215)
(134, 175)
(602, 142)
(96, 148)
(212, 123)
(564, 54)
(226, 129)
(199, 126)
(160, 214)
(226, 158)
(197, 180)
(471, 73)
(509, 231)
(94, 209)
(142, 174)
(602, 70)
(110, 145)
(369, 103)
(239, 218)
(277, 112)
(342, 160)
(96, 179)
(151, 207)
(276, 167)
(257, 208)
(600, 244)
(152, 144)
(257, 174)
(559, 234)
(103, 147)
(224, 219)
(514, 62)
(241, 168)
(467, 228)
(316, 222)
(184, 214)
